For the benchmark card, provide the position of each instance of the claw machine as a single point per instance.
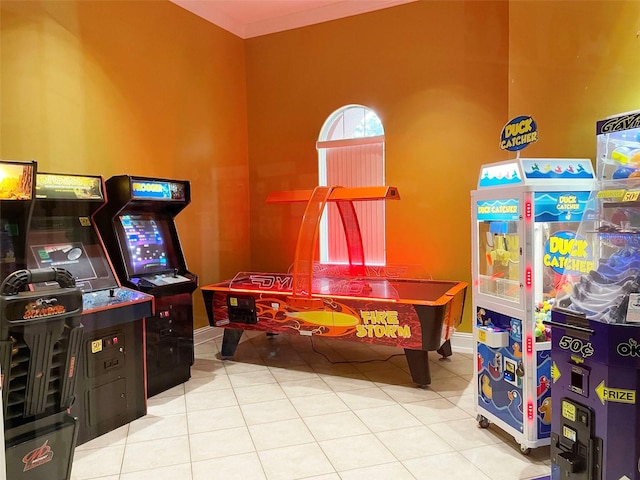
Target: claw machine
(525, 213)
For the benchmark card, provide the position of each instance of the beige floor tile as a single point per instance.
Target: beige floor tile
(280, 434)
(465, 433)
(463, 367)
(232, 441)
(209, 383)
(306, 387)
(356, 452)
(409, 393)
(388, 376)
(272, 411)
(173, 472)
(161, 406)
(234, 367)
(302, 461)
(235, 467)
(155, 453)
(110, 439)
(504, 462)
(389, 417)
(444, 466)
(152, 428)
(251, 379)
(313, 405)
(347, 382)
(366, 398)
(388, 471)
(204, 367)
(215, 419)
(97, 462)
(467, 402)
(452, 386)
(259, 393)
(207, 400)
(414, 442)
(292, 374)
(335, 425)
(171, 392)
(435, 411)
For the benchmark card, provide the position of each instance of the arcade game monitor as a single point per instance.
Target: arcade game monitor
(111, 387)
(138, 228)
(16, 199)
(354, 302)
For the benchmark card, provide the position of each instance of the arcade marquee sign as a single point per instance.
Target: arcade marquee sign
(518, 133)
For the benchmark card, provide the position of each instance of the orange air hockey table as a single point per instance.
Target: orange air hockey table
(353, 302)
(417, 315)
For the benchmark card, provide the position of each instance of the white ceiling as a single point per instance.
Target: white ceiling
(252, 18)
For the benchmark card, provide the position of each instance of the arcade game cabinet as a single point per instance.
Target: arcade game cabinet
(139, 232)
(351, 302)
(40, 335)
(596, 324)
(525, 213)
(110, 389)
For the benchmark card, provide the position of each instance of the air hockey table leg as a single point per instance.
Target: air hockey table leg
(445, 350)
(230, 340)
(418, 361)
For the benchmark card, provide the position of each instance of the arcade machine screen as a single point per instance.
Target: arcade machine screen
(145, 241)
(145, 244)
(63, 242)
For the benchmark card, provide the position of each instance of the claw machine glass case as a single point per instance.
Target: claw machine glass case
(596, 324)
(525, 213)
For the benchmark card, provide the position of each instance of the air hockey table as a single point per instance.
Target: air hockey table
(354, 302)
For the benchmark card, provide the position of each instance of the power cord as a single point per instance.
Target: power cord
(334, 362)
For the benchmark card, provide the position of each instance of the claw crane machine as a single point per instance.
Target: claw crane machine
(525, 214)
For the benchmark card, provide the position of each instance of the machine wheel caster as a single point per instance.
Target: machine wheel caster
(483, 422)
(525, 450)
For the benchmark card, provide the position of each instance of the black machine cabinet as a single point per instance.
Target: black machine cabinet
(140, 235)
(40, 338)
(111, 381)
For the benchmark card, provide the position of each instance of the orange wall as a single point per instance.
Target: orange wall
(144, 88)
(434, 72)
(149, 89)
(571, 64)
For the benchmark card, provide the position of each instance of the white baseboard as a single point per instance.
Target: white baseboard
(460, 341)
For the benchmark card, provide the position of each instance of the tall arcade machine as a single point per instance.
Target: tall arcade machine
(596, 324)
(139, 232)
(111, 384)
(40, 337)
(525, 213)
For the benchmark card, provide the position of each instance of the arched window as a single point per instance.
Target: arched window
(351, 154)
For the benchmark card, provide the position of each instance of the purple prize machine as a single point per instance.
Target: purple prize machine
(596, 325)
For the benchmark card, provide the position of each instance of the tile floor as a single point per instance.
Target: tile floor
(282, 411)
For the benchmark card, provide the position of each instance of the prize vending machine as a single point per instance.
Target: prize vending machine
(525, 213)
(596, 324)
